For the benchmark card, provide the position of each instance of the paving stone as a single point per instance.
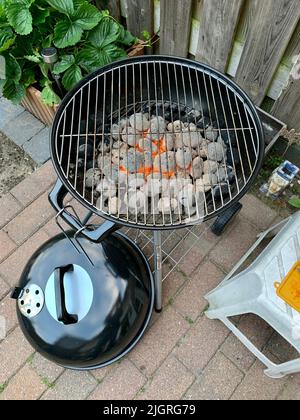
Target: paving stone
(257, 212)
(201, 343)
(25, 385)
(291, 390)
(30, 219)
(190, 301)
(8, 311)
(22, 128)
(172, 283)
(99, 374)
(6, 245)
(47, 370)
(38, 146)
(234, 244)
(10, 207)
(257, 386)
(8, 111)
(189, 255)
(158, 341)
(169, 382)
(218, 381)
(4, 288)
(11, 269)
(45, 175)
(27, 190)
(281, 349)
(122, 384)
(258, 332)
(14, 351)
(71, 385)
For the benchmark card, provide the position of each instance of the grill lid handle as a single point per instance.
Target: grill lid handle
(56, 199)
(60, 301)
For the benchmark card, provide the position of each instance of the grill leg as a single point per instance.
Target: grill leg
(157, 270)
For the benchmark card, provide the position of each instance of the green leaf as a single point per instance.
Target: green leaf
(44, 69)
(125, 37)
(48, 95)
(91, 58)
(87, 16)
(47, 42)
(7, 38)
(295, 202)
(72, 76)
(33, 58)
(13, 91)
(64, 64)
(66, 34)
(28, 78)
(13, 69)
(19, 17)
(39, 14)
(63, 6)
(104, 34)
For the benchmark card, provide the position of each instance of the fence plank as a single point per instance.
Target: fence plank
(112, 5)
(175, 21)
(272, 28)
(139, 16)
(218, 24)
(287, 107)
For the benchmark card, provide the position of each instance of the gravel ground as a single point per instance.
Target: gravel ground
(15, 165)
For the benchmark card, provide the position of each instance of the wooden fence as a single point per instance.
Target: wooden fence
(256, 42)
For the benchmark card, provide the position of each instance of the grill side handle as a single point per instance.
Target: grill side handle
(56, 199)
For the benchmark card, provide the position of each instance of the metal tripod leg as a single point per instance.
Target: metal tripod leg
(157, 270)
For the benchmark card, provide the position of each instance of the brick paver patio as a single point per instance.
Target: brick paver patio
(183, 355)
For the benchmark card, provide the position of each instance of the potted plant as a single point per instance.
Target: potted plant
(85, 37)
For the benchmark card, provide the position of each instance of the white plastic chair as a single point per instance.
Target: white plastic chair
(253, 291)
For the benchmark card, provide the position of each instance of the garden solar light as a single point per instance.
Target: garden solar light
(50, 57)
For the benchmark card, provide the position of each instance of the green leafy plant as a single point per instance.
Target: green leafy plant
(85, 37)
(295, 202)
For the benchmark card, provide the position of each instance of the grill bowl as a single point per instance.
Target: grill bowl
(170, 87)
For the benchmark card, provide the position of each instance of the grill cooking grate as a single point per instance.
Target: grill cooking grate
(125, 170)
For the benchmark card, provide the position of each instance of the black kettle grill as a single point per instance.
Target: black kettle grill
(86, 297)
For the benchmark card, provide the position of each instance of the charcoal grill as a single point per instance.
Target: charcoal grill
(85, 141)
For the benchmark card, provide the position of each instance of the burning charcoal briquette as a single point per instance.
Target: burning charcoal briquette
(92, 177)
(115, 131)
(186, 195)
(139, 122)
(157, 125)
(215, 151)
(191, 138)
(169, 141)
(183, 158)
(130, 136)
(114, 205)
(106, 188)
(136, 201)
(211, 134)
(176, 126)
(210, 166)
(167, 204)
(133, 161)
(148, 145)
(196, 170)
(165, 162)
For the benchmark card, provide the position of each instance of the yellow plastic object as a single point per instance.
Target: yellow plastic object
(289, 289)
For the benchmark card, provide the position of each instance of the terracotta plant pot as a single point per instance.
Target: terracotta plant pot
(45, 113)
